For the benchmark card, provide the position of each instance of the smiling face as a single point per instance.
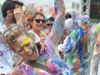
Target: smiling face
(38, 22)
(49, 24)
(26, 48)
(20, 42)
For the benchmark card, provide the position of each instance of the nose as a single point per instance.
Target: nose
(40, 21)
(27, 50)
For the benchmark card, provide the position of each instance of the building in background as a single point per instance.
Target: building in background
(95, 11)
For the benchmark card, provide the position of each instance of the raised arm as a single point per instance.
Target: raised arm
(58, 26)
(56, 33)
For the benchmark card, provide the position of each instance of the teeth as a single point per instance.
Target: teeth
(30, 52)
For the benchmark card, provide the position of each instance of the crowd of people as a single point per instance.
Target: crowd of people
(33, 44)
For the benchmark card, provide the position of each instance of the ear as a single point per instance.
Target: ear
(9, 13)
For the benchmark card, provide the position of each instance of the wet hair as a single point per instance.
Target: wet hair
(9, 5)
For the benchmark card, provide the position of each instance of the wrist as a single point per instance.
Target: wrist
(19, 22)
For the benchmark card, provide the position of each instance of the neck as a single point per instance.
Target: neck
(36, 31)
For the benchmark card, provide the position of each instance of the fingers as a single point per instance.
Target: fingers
(18, 10)
(45, 47)
(18, 13)
(42, 39)
(42, 48)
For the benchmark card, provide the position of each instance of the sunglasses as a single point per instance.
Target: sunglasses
(40, 20)
(49, 24)
(13, 28)
(67, 16)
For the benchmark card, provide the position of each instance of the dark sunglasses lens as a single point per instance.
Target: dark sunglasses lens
(43, 21)
(37, 20)
(49, 24)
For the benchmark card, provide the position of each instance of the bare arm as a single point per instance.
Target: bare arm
(58, 26)
(56, 33)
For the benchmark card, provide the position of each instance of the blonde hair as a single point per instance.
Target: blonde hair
(12, 35)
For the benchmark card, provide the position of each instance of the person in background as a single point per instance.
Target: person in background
(75, 50)
(48, 26)
(37, 22)
(28, 15)
(10, 15)
(49, 23)
(71, 21)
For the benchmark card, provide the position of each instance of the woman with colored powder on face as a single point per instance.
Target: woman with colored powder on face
(23, 45)
(75, 48)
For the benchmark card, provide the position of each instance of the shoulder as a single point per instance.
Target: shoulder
(2, 27)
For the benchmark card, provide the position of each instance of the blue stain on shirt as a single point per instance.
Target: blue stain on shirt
(80, 47)
(60, 63)
(69, 46)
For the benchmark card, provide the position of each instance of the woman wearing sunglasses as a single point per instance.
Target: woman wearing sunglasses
(23, 45)
(49, 23)
(37, 24)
